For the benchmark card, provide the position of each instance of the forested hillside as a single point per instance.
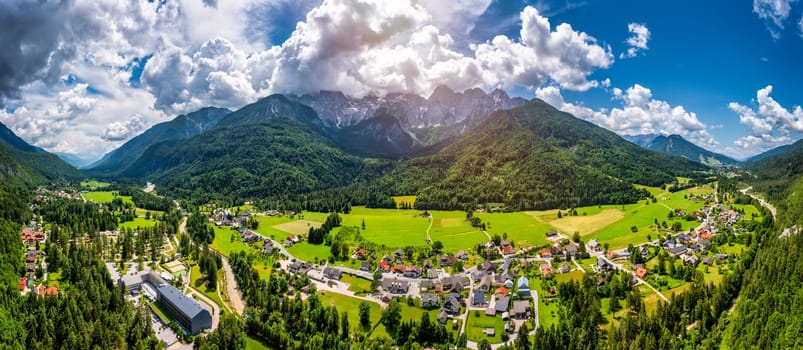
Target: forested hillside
(534, 157)
(278, 156)
(41, 165)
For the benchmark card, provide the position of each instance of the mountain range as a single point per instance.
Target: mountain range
(676, 145)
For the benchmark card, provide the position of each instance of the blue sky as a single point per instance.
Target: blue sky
(723, 74)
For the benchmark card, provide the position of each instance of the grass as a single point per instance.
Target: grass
(521, 228)
(199, 284)
(576, 275)
(94, 184)
(404, 199)
(476, 324)
(393, 228)
(352, 308)
(585, 225)
(356, 284)
(309, 252)
(254, 343)
(749, 211)
(263, 270)
(732, 248)
(451, 228)
(224, 244)
(105, 197)
(137, 222)
(298, 227)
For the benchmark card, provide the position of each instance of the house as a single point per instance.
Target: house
(294, 266)
(572, 249)
(23, 282)
(383, 266)
(691, 260)
(604, 266)
(293, 238)
(557, 250)
(594, 246)
(546, 269)
(427, 285)
(564, 268)
(524, 286)
(361, 254)
(250, 237)
(678, 249)
(501, 291)
(399, 254)
(430, 300)
(721, 256)
(412, 271)
(488, 267)
(461, 254)
(398, 268)
(452, 305)
(443, 317)
(427, 264)
(704, 243)
(521, 309)
(508, 249)
(184, 309)
(332, 273)
(504, 243)
(365, 266)
(502, 304)
(395, 286)
(432, 273)
(641, 272)
(644, 251)
(490, 331)
(448, 261)
(508, 284)
(485, 284)
(268, 249)
(707, 261)
(52, 291)
(478, 299)
(552, 234)
(545, 253)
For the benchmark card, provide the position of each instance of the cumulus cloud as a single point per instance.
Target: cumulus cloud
(640, 114)
(774, 13)
(768, 126)
(210, 52)
(119, 131)
(637, 42)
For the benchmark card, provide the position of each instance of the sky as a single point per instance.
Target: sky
(84, 76)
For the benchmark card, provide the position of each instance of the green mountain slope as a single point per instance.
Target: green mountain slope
(775, 174)
(534, 157)
(182, 127)
(275, 157)
(33, 164)
(676, 145)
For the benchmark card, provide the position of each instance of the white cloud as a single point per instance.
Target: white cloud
(800, 26)
(119, 131)
(774, 13)
(768, 126)
(210, 53)
(640, 114)
(637, 42)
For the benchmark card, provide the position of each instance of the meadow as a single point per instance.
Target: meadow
(389, 227)
(352, 308)
(521, 228)
(478, 322)
(104, 197)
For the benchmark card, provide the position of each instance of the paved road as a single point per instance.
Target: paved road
(207, 301)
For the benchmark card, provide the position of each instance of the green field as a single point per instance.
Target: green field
(104, 197)
(522, 229)
(224, 244)
(389, 227)
(94, 184)
(253, 343)
(476, 324)
(356, 284)
(138, 222)
(352, 308)
(452, 229)
(160, 311)
(310, 252)
(749, 211)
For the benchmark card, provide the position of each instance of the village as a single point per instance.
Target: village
(491, 291)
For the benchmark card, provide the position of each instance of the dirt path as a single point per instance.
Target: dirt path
(764, 203)
(233, 292)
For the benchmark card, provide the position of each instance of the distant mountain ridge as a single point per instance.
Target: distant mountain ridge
(182, 127)
(678, 146)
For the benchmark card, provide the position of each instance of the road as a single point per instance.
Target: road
(209, 302)
(235, 297)
(764, 203)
